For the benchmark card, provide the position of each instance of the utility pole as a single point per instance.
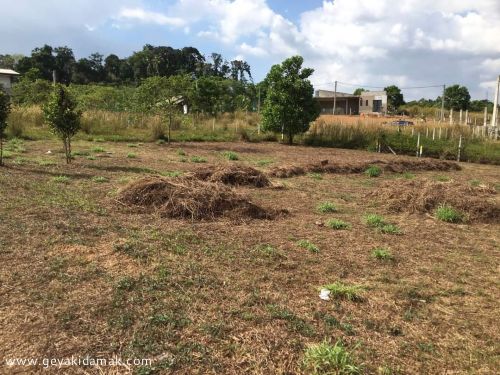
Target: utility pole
(442, 104)
(335, 99)
(495, 103)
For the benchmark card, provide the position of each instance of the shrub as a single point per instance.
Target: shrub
(340, 290)
(326, 207)
(448, 214)
(382, 254)
(337, 224)
(308, 245)
(230, 155)
(325, 358)
(373, 171)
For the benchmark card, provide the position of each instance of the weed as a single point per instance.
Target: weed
(45, 163)
(133, 145)
(61, 179)
(264, 162)
(308, 245)
(475, 183)
(373, 171)
(183, 160)
(442, 178)
(374, 220)
(198, 159)
(448, 214)
(382, 254)
(338, 224)
(295, 323)
(80, 153)
(325, 358)
(131, 155)
(90, 157)
(316, 176)
(343, 291)
(181, 152)
(98, 150)
(268, 250)
(99, 179)
(408, 175)
(171, 174)
(230, 155)
(390, 229)
(326, 207)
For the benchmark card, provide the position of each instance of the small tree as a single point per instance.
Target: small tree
(4, 113)
(63, 117)
(395, 98)
(289, 106)
(456, 97)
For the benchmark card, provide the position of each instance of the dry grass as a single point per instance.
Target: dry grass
(84, 275)
(234, 175)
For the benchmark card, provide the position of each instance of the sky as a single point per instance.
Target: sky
(360, 43)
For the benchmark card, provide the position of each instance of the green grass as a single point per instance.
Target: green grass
(46, 163)
(316, 176)
(99, 179)
(408, 175)
(181, 152)
(198, 159)
(382, 254)
(338, 224)
(328, 359)
(61, 179)
(373, 171)
(326, 207)
(98, 150)
(131, 155)
(268, 250)
(308, 245)
(90, 157)
(230, 155)
(133, 145)
(448, 214)
(264, 162)
(374, 220)
(80, 153)
(340, 290)
(390, 229)
(442, 178)
(475, 183)
(171, 174)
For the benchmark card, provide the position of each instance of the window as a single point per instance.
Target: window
(367, 102)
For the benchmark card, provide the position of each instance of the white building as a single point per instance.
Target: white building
(7, 78)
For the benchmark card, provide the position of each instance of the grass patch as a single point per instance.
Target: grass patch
(390, 229)
(98, 150)
(181, 152)
(90, 157)
(268, 250)
(340, 290)
(131, 155)
(80, 153)
(326, 207)
(325, 358)
(61, 179)
(316, 176)
(382, 254)
(338, 224)
(230, 155)
(373, 171)
(408, 175)
(443, 179)
(198, 159)
(294, 323)
(448, 214)
(308, 245)
(374, 220)
(45, 163)
(264, 162)
(171, 173)
(99, 179)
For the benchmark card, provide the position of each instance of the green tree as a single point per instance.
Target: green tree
(63, 117)
(4, 113)
(456, 97)
(289, 106)
(395, 98)
(359, 91)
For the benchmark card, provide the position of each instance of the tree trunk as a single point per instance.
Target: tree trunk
(68, 156)
(169, 125)
(1, 150)
(290, 138)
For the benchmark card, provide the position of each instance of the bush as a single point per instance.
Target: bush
(325, 358)
(373, 171)
(326, 207)
(448, 214)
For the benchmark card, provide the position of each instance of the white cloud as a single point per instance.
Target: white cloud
(144, 16)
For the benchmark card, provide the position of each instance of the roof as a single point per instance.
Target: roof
(9, 72)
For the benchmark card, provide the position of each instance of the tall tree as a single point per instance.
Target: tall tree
(64, 63)
(395, 98)
(359, 91)
(290, 107)
(457, 97)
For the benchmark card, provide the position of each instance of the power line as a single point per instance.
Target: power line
(378, 87)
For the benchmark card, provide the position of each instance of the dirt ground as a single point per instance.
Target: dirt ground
(84, 275)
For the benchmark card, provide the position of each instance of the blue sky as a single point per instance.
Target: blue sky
(408, 43)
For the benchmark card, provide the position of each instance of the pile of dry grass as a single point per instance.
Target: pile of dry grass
(398, 166)
(190, 199)
(477, 203)
(233, 175)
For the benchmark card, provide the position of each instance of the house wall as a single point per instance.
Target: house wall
(367, 99)
(345, 106)
(5, 81)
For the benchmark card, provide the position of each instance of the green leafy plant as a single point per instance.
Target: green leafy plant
(325, 358)
(316, 176)
(390, 229)
(198, 159)
(131, 155)
(338, 224)
(382, 254)
(308, 245)
(63, 117)
(326, 207)
(449, 214)
(373, 171)
(374, 220)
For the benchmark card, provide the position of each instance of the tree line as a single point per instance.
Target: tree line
(151, 61)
